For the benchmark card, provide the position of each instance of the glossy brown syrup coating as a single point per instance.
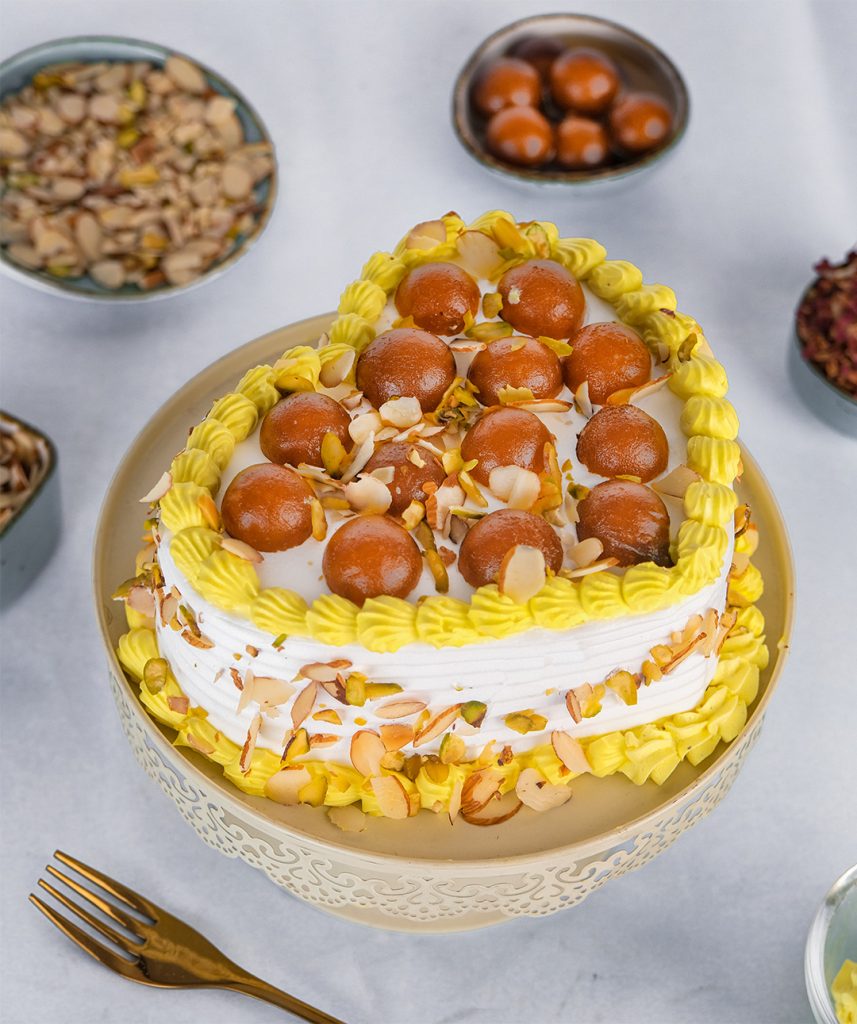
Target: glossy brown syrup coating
(507, 82)
(492, 537)
(640, 122)
(519, 362)
(293, 431)
(370, 556)
(409, 478)
(629, 519)
(610, 356)
(540, 51)
(268, 507)
(406, 363)
(622, 440)
(581, 143)
(521, 136)
(505, 437)
(540, 297)
(584, 80)
(438, 296)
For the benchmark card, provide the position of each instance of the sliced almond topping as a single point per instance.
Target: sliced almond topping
(582, 401)
(479, 788)
(537, 793)
(241, 549)
(466, 345)
(283, 786)
(400, 708)
(159, 490)
(396, 736)
(439, 504)
(200, 744)
(586, 552)
(676, 482)
(386, 474)
(359, 457)
(540, 405)
(349, 818)
(495, 812)
(435, 726)
(455, 800)
(480, 254)
(319, 520)
(587, 570)
(426, 235)
(518, 487)
(250, 744)
(141, 600)
(324, 671)
(632, 395)
(322, 739)
(570, 752)
(392, 798)
(573, 705)
(401, 413)
(269, 692)
(368, 495)
(334, 371)
(522, 573)
(367, 749)
(303, 704)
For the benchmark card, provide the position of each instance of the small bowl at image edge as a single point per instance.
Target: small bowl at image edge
(832, 939)
(18, 70)
(30, 535)
(643, 67)
(818, 392)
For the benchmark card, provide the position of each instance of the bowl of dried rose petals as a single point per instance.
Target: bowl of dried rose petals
(29, 505)
(127, 171)
(826, 330)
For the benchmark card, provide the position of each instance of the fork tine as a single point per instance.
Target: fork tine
(95, 922)
(87, 943)
(133, 924)
(117, 889)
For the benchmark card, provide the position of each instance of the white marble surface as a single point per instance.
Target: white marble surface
(357, 97)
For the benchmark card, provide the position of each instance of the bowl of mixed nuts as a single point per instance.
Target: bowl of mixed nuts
(127, 171)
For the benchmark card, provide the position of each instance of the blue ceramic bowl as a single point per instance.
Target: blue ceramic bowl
(17, 71)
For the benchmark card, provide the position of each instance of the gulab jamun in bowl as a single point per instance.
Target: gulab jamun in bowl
(471, 547)
(570, 99)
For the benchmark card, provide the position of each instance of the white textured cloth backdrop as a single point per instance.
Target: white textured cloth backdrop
(356, 95)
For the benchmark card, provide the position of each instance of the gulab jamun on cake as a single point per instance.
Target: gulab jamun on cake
(480, 539)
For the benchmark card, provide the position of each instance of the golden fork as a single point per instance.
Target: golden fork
(161, 950)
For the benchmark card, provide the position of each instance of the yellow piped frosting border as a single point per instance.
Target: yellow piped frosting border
(646, 752)
(708, 420)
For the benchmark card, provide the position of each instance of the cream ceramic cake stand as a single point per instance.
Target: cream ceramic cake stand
(421, 874)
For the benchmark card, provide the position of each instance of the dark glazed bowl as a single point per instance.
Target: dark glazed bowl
(28, 538)
(643, 66)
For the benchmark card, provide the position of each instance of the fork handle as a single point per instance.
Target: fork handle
(250, 985)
